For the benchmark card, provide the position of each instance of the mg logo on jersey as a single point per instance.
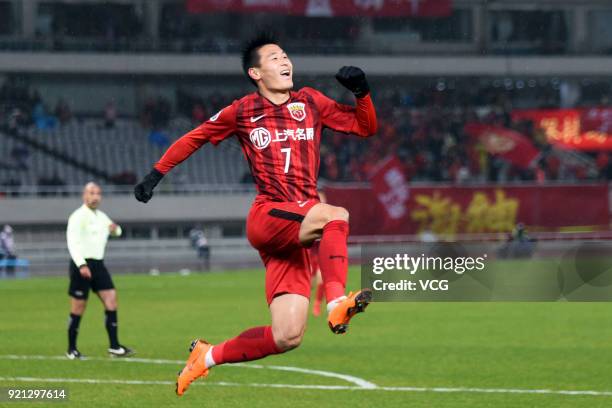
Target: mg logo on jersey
(297, 110)
(260, 137)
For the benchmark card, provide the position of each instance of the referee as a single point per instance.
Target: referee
(87, 233)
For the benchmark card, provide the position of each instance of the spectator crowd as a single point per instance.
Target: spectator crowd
(423, 126)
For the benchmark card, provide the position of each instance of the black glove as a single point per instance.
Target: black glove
(354, 80)
(144, 190)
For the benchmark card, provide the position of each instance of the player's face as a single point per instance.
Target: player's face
(92, 196)
(275, 69)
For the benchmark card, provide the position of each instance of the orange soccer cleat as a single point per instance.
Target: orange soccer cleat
(195, 367)
(340, 315)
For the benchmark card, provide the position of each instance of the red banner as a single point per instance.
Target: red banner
(579, 129)
(506, 143)
(327, 8)
(468, 209)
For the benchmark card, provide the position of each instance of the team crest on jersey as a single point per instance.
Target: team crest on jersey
(260, 137)
(297, 110)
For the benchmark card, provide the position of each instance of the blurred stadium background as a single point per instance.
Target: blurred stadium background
(492, 113)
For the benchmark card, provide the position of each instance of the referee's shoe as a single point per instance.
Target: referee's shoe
(74, 354)
(121, 351)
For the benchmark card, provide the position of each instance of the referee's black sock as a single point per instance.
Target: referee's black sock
(111, 328)
(73, 330)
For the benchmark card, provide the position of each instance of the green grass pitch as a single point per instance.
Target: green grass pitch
(483, 346)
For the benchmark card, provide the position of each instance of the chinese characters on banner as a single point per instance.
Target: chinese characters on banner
(327, 8)
(391, 190)
(451, 210)
(579, 129)
(442, 215)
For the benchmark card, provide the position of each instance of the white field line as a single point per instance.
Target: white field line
(317, 387)
(359, 382)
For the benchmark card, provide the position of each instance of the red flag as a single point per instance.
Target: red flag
(506, 143)
(391, 189)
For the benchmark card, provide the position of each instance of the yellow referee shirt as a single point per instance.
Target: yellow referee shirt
(87, 234)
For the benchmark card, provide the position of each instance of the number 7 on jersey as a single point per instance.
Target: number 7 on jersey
(287, 151)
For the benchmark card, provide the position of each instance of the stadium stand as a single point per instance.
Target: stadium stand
(161, 71)
(424, 126)
(121, 153)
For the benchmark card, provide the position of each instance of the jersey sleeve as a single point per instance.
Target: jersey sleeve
(360, 119)
(214, 130)
(73, 238)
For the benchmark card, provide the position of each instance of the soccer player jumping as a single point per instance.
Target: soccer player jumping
(280, 133)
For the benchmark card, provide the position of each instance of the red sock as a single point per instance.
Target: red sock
(333, 258)
(252, 344)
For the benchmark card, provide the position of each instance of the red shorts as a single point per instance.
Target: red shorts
(273, 229)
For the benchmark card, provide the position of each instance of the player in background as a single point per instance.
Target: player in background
(279, 131)
(317, 278)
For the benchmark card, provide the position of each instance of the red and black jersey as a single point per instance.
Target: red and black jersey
(280, 142)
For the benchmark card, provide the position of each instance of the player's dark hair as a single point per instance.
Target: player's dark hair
(250, 51)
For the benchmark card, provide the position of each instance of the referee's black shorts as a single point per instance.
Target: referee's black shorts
(100, 279)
